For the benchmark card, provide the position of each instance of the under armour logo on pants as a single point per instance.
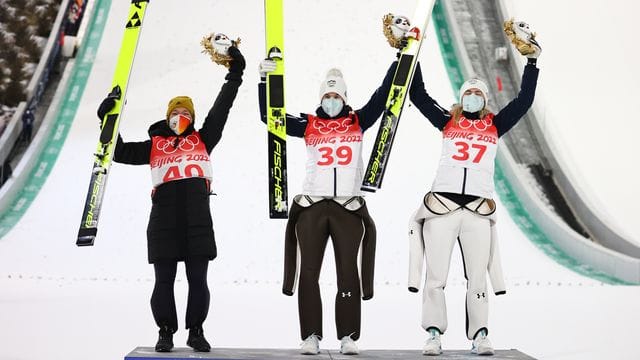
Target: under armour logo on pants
(346, 294)
(480, 295)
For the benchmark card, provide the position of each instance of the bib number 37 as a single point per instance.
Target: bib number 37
(464, 151)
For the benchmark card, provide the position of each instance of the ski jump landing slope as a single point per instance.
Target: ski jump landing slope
(58, 301)
(555, 211)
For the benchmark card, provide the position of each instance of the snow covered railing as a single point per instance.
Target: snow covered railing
(24, 168)
(11, 132)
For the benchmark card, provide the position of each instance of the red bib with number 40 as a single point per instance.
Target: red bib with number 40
(176, 157)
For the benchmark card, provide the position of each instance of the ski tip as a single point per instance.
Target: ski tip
(278, 215)
(85, 240)
(86, 236)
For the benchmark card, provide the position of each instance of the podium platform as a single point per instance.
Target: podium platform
(148, 353)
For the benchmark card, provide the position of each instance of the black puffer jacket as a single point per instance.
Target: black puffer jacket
(180, 224)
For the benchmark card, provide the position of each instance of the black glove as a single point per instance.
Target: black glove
(237, 65)
(105, 106)
(403, 44)
(109, 102)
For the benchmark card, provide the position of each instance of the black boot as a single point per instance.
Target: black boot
(197, 341)
(165, 339)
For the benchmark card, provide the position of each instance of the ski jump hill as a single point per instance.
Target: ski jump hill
(569, 271)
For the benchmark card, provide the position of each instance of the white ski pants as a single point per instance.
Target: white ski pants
(474, 236)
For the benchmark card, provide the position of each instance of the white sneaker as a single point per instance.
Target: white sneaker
(481, 344)
(348, 346)
(310, 345)
(433, 346)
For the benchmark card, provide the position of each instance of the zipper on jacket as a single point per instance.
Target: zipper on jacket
(464, 180)
(335, 182)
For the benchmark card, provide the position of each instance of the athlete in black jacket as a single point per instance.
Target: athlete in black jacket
(180, 226)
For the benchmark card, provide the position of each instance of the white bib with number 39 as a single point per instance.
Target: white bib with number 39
(467, 163)
(334, 156)
(174, 158)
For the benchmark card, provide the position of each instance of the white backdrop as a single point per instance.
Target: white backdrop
(60, 301)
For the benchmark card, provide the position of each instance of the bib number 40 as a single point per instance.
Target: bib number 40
(176, 173)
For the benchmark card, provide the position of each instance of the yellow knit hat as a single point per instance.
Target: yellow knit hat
(181, 101)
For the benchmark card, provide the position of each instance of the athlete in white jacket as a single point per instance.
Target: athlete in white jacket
(460, 206)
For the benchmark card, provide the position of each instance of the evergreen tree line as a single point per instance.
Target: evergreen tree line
(24, 29)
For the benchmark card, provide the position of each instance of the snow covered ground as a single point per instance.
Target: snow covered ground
(58, 301)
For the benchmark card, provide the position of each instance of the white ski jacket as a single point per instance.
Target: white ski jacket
(417, 255)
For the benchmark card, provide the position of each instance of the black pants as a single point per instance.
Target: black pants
(314, 226)
(163, 303)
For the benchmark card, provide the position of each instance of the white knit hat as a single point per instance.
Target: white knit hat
(333, 82)
(474, 84)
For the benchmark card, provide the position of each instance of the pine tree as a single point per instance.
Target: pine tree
(20, 21)
(47, 17)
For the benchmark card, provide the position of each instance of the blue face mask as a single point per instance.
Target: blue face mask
(332, 106)
(472, 103)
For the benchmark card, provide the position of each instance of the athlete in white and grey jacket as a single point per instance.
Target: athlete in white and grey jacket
(460, 206)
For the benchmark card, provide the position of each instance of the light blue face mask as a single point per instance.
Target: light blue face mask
(472, 103)
(332, 106)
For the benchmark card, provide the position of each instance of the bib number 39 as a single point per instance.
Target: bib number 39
(344, 155)
(463, 151)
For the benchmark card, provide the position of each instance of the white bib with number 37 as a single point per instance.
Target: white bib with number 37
(467, 162)
(175, 158)
(334, 156)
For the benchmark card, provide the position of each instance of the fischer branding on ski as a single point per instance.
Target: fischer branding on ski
(396, 99)
(276, 114)
(110, 123)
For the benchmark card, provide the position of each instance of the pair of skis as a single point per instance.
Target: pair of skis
(110, 124)
(276, 116)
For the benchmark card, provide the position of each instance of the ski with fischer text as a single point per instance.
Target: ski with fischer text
(110, 122)
(396, 98)
(276, 115)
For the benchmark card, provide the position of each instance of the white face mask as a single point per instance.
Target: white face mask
(332, 106)
(472, 103)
